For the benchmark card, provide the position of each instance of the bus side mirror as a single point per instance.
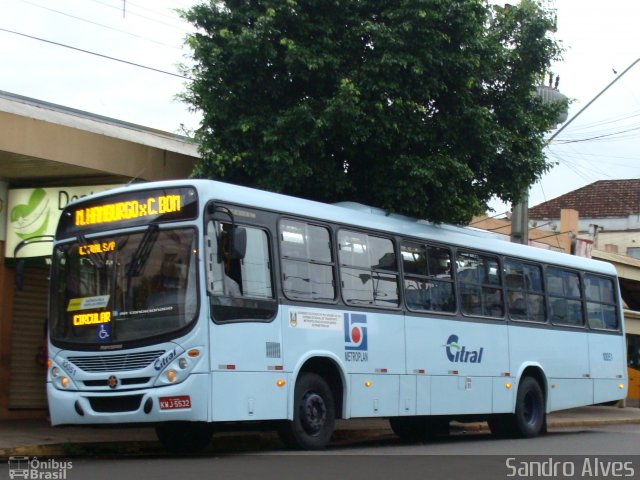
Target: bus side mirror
(238, 243)
(19, 274)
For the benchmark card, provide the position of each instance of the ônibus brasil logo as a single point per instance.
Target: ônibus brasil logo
(355, 338)
(457, 353)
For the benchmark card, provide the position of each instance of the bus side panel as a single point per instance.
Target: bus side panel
(247, 346)
(246, 363)
(608, 367)
(563, 356)
(607, 357)
(367, 343)
(374, 395)
(423, 395)
(461, 358)
(248, 396)
(503, 394)
(465, 395)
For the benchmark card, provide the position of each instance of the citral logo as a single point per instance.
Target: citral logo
(457, 353)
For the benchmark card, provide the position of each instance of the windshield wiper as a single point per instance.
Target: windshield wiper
(96, 259)
(141, 255)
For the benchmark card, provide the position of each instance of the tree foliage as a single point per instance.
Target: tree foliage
(421, 107)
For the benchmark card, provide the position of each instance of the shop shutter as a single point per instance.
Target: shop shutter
(27, 382)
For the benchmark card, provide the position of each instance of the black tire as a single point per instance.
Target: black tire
(529, 420)
(313, 415)
(530, 409)
(184, 438)
(419, 429)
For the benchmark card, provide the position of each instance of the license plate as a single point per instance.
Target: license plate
(173, 403)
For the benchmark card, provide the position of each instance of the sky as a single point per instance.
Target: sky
(601, 40)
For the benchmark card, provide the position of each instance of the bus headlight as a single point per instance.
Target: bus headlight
(60, 377)
(179, 368)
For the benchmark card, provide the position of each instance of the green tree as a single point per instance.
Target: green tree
(420, 107)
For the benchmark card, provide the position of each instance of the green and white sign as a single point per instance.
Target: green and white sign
(4, 189)
(35, 211)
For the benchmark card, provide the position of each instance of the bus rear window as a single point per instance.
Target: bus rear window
(601, 308)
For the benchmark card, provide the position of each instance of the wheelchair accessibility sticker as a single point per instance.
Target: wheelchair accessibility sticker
(104, 332)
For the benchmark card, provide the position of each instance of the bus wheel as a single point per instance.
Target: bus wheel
(182, 438)
(529, 419)
(419, 429)
(313, 415)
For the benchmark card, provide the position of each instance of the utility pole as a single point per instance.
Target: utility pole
(520, 217)
(520, 210)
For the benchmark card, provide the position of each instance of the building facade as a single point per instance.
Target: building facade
(50, 155)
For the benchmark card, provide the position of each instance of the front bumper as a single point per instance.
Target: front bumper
(131, 406)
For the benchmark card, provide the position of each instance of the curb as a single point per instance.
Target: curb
(246, 442)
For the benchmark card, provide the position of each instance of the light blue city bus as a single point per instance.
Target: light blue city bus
(195, 305)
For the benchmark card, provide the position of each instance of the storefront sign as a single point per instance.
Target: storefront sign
(35, 211)
(583, 248)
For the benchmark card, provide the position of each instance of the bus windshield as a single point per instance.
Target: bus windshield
(123, 288)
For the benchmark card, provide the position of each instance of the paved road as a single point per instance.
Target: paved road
(461, 456)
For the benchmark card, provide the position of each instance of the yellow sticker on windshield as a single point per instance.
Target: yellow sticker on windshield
(86, 303)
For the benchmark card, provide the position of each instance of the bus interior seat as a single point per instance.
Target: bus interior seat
(559, 310)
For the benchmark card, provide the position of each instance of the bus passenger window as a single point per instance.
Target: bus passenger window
(428, 283)
(307, 263)
(480, 285)
(601, 308)
(368, 269)
(525, 295)
(565, 300)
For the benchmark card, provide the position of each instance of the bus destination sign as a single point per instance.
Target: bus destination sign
(128, 209)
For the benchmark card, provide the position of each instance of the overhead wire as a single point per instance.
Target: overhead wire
(95, 54)
(99, 24)
(129, 3)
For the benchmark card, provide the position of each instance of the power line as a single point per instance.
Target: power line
(95, 53)
(597, 137)
(144, 16)
(486, 218)
(98, 24)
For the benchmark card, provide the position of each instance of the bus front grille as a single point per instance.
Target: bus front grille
(127, 403)
(116, 363)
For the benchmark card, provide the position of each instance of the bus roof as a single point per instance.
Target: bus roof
(358, 215)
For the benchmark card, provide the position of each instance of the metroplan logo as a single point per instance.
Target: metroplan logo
(355, 337)
(457, 353)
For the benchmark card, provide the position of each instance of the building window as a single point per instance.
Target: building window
(633, 252)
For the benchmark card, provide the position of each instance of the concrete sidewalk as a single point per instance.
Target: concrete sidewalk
(37, 437)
